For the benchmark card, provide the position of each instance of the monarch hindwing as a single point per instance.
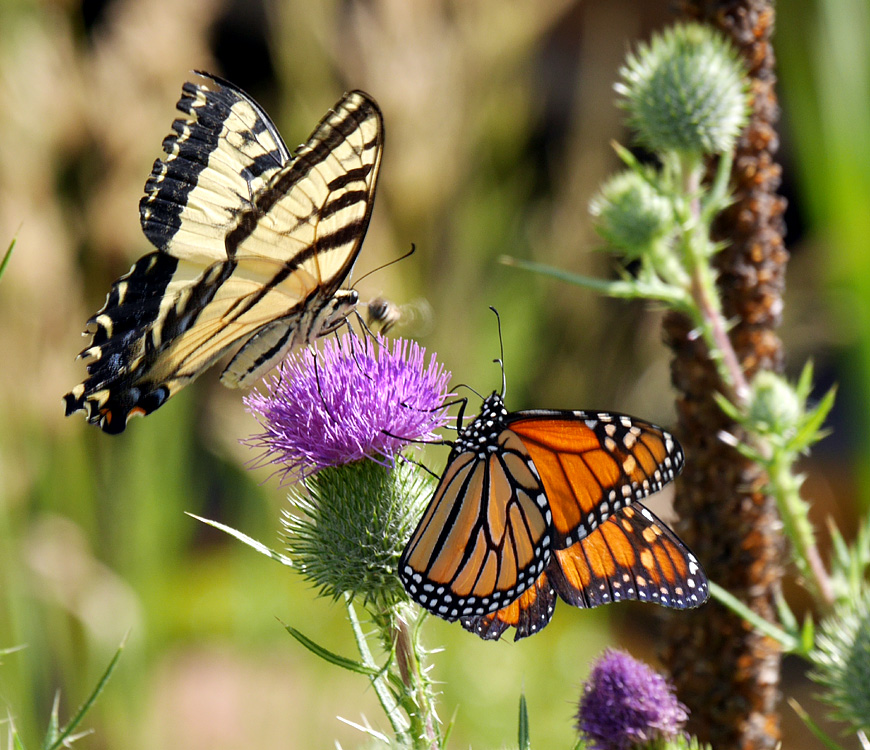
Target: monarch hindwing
(632, 556)
(253, 243)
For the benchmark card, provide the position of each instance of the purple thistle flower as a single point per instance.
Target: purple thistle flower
(350, 400)
(625, 703)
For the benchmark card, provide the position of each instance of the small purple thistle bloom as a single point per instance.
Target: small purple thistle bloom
(350, 400)
(626, 703)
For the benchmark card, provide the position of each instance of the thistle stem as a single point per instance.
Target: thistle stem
(697, 252)
(420, 707)
(709, 318)
(794, 513)
(385, 698)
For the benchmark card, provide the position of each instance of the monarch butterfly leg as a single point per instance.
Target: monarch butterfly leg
(417, 463)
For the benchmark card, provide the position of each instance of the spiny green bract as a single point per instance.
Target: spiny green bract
(841, 662)
(631, 214)
(353, 522)
(685, 92)
(774, 406)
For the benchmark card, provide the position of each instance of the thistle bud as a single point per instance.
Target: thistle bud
(685, 92)
(631, 214)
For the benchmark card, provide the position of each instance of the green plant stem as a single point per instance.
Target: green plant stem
(385, 698)
(785, 488)
(419, 705)
(696, 250)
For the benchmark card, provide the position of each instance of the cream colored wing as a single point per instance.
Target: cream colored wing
(250, 239)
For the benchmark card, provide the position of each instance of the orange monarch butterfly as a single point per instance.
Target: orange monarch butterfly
(522, 489)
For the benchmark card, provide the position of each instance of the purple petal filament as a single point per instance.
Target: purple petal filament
(350, 400)
(626, 703)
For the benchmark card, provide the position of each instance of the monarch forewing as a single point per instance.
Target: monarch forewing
(254, 240)
(485, 536)
(594, 463)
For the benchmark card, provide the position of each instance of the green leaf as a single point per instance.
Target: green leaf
(812, 726)
(628, 158)
(7, 256)
(14, 739)
(525, 742)
(810, 426)
(838, 544)
(65, 736)
(729, 409)
(808, 634)
(252, 543)
(790, 642)
(718, 197)
(786, 616)
(327, 655)
(805, 382)
(627, 288)
(53, 731)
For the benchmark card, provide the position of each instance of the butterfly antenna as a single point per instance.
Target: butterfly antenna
(500, 360)
(386, 265)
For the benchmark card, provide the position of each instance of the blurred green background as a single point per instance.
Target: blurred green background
(498, 124)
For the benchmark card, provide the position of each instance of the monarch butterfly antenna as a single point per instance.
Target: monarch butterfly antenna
(386, 265)
(500, 360)
(463, 385)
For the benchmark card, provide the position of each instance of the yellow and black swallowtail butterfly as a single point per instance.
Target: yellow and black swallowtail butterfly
(253, 244)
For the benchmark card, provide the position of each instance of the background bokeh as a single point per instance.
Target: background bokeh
(499, 119)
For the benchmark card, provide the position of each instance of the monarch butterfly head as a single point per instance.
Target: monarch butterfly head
(483, 432)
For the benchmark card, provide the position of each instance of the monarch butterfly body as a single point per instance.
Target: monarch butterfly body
(539, 503)
(253, 244)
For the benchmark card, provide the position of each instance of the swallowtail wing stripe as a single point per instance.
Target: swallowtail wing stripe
(254, 243)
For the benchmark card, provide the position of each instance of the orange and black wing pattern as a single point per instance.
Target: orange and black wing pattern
(531, 612)
(592, 464)
(486, 536)
(633, 555)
